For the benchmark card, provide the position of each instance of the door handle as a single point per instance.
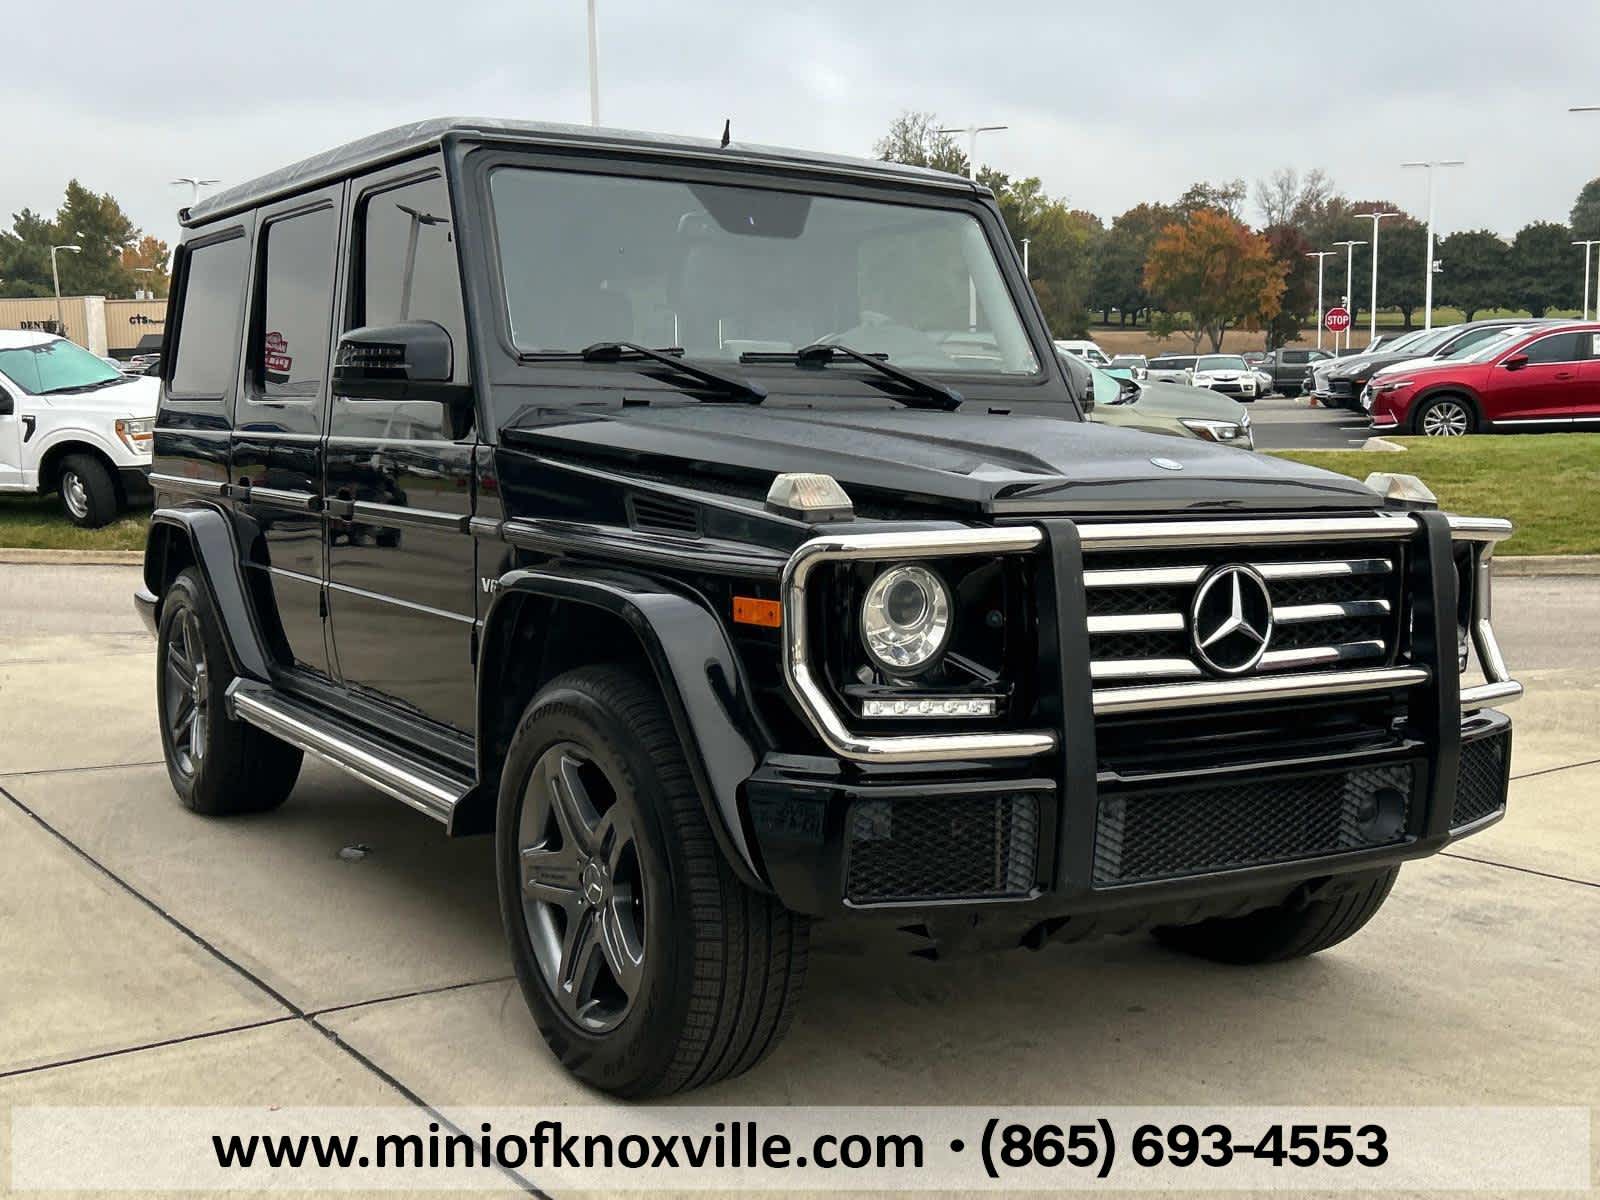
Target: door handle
(341, 504)
(1566, 375)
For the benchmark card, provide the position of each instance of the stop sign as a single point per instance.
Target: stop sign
(1337, 320)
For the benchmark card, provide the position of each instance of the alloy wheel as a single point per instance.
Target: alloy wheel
(187, 701)
(583, 894)
(75, 494)
(1446, 418)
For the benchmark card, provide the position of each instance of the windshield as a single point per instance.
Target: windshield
(55, 366)
(1490, 343)
(723, 271)
(1221, 362)
(1175, 363)
(1128, 360)
(1427, 342)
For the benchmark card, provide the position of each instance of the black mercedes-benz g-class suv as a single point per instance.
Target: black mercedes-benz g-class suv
(713, 525)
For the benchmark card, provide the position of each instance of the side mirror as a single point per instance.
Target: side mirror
(413, 360)
(1514, 362)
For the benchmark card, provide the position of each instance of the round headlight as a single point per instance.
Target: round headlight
(905, 619)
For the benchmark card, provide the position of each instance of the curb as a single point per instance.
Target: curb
(1523, 565)
(73, 558)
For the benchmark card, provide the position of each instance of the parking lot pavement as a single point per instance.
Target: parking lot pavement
(1282, 423)
(155, 957)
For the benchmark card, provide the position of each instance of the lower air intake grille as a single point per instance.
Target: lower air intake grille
(1187, 831)
(1481, 784)
(942, 848)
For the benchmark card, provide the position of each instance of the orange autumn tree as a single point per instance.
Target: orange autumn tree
(1210, 273)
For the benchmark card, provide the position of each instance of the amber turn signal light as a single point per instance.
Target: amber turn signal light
(747, 610)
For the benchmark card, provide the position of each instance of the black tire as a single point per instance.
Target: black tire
(1446, 415)
(1285, 931)
(88, 493)
(720, 966)
(219, 766)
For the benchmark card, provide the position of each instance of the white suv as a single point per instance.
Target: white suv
(69, 423)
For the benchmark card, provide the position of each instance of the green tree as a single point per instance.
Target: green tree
(25, 255)
(1119, 267)
(1402, 246)
(1585, 216)
(1476, 271)
(150, 263)
(1227, 198)
(914, 139)
(1210, 273)
(1061, 250)
(93, 222)
(1544, 268)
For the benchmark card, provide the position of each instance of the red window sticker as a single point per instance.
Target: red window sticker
(275, 356)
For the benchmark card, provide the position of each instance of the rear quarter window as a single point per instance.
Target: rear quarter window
(210, 312)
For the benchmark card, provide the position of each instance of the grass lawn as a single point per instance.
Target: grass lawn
(37, 523)
(1548, 484)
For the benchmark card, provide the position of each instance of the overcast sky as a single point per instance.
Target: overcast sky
(1109, 104)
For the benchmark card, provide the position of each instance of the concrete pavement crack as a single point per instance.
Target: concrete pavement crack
(295, 1012)
(1489, 862)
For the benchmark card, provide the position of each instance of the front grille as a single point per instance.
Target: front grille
(1481, 783)
(942, 848)
(1333, 608)
(1161, 834)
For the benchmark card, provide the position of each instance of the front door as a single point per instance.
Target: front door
(1542, 392)
(10, 432)
(401, 578)
(278, 421)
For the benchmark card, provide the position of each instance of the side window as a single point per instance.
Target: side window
(1295, 358)
(1557, 348)
(407, 266)
(294, 306)
(210, 307)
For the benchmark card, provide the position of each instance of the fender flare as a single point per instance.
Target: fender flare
(1469, 394)
(215, 550)
(695, 667)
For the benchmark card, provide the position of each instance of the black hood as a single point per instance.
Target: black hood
(980, 463)
(1361, 366)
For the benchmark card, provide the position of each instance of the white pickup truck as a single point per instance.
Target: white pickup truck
(70, 423)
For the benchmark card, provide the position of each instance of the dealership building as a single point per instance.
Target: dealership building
(107, 327)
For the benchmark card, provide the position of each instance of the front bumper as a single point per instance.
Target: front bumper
(135, 483)
(1059, 822)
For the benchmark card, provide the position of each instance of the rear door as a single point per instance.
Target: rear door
(283, 398)
(402, 583)
(1586, 413)
(1546, 391)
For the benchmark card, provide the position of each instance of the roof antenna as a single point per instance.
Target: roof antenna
(727, 130)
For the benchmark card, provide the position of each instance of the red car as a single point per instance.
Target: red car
(1543, 378)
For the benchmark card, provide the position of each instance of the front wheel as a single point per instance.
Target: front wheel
(1292, 929)
(88, 492)
(1446, 416)
(648, 966)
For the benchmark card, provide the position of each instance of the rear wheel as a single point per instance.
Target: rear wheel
(218, 765)
(88, 492)
(1290, 930)
(648, 966)
(1446, 416)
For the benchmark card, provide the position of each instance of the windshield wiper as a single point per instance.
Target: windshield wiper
(82, 387)
(925, 393)
(672, 356)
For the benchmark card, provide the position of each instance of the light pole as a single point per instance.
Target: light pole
(1427, 302)
(150, 290)
(196, 183)
(1586, 244)
(1372, 307)
(55, 277)
(1025, 242)
(594, 66)
(972, 132)
(1349, 283)
(1320, 255)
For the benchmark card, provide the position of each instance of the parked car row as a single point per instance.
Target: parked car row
(1338, 383)
(1535, 375)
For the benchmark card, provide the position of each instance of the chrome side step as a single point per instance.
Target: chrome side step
(425, 788)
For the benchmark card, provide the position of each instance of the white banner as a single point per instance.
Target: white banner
(752, 1149)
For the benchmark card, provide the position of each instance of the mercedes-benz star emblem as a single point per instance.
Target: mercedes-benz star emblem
(1231, 623)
